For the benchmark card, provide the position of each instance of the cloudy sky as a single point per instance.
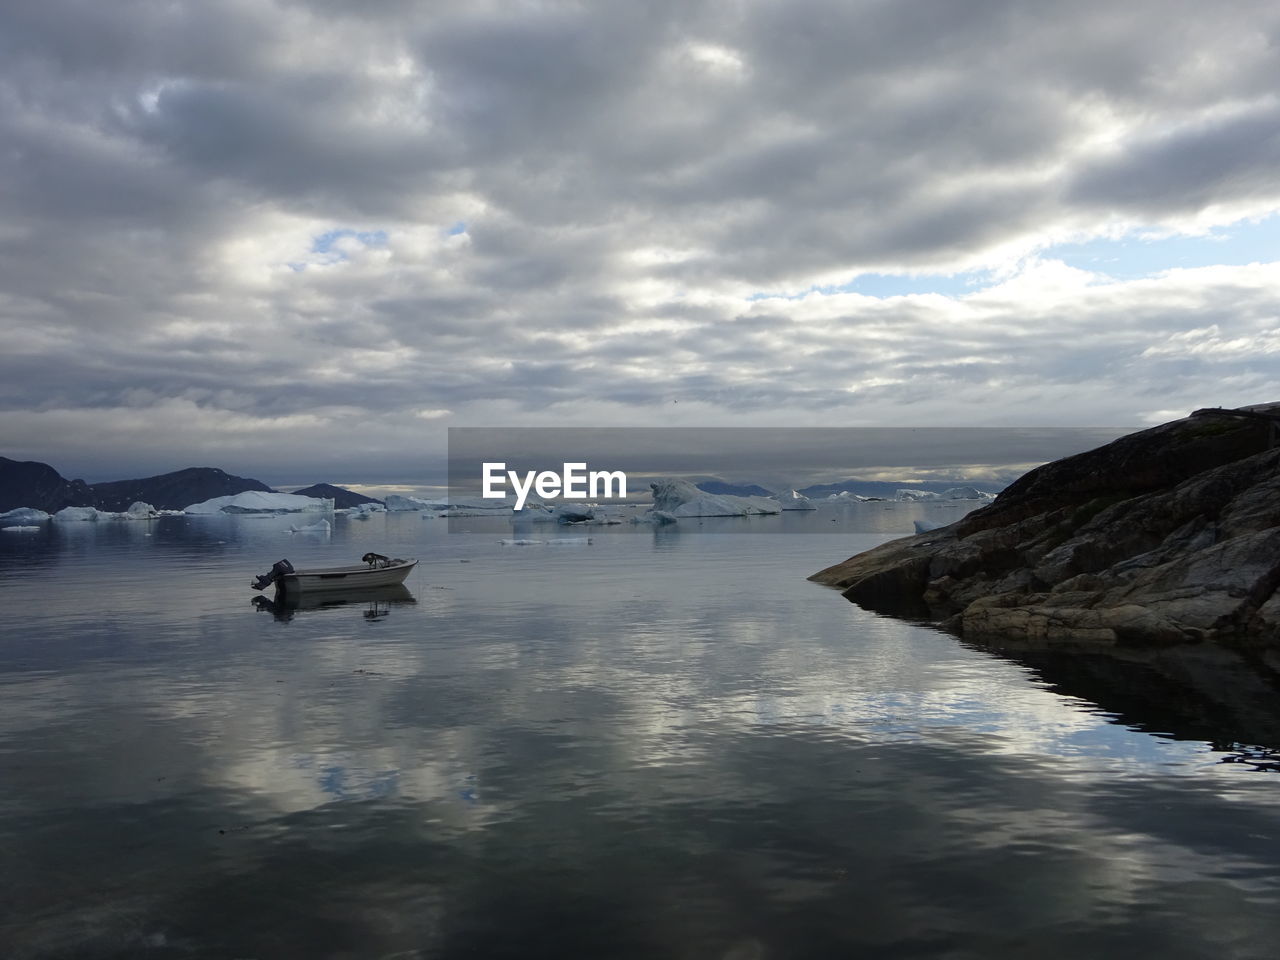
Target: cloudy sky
(298, 239)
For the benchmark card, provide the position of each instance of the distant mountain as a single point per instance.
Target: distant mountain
(887, 489)
(28, 483)
(342, 497)
(721, 488)
(173, 491)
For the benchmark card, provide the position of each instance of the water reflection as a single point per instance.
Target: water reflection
(1195, 692)
(667, 745)
(376, 602)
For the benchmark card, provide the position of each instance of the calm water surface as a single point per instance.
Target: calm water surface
(664, 744)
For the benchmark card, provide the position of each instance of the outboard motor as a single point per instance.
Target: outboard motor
(277, 571)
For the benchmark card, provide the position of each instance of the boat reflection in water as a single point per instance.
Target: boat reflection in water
(377, 601)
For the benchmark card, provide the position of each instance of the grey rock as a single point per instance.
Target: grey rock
(1165, 537)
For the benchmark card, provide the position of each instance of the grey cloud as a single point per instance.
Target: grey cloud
(626, 175)
(1215, 161)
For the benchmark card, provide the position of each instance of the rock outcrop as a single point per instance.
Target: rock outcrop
(1164, 537)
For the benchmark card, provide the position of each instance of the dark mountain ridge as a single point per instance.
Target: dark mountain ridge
(29, 483)
(172, 491)
(343, 498)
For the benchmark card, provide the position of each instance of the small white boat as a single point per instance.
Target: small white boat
(374, 570)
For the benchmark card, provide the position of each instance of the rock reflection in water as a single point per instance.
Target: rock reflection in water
(1203, 692)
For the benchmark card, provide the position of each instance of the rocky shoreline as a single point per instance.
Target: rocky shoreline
(1163, 538)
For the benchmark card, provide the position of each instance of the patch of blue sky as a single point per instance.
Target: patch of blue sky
(885, 285)
(325, 241)
(457, 228)
(1137, 254)
(1144, 253)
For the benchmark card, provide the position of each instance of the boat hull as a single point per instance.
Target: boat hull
(345, 578)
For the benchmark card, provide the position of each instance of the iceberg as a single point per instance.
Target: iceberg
(965, 493)
(795, 500)
(912, 495)
(23, 516)
(459, 506)
(909, 494)
(320, 526)
(20, 529)
(924, 526)
(574, 513)
(680, 498)
(141, 511)
(398, 504)
(88, 514)
(846, 496)
(559, 541)
(257, 501)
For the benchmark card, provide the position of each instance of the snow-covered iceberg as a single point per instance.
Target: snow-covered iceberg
(257, 501)
(457, 506)
(399, 504)
(965, 493)
(924, 526)
(795, 500)
(908, 494)
(22, 516)
(555, 542)
(82, 514)
(574, 512)
(912, 495)
(320, 526)
(680, 498)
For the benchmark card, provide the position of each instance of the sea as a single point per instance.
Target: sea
(662, 743)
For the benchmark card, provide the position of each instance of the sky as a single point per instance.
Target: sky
(298, 239)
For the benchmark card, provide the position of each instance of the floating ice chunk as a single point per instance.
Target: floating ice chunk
(320, 526)
(21, 529)
(965, 493)
(23, 515)
(73, 514)
(680, 498)
(795, 500)
(568, 541)
(522, 543)
(574, 513)
(398, 504)
(258, 501)
(910, 495)
(140, 511)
